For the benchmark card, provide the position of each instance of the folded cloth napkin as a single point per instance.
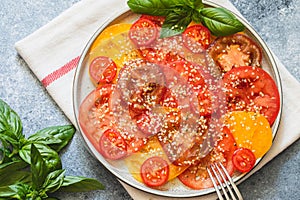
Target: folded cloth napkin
(53, 51)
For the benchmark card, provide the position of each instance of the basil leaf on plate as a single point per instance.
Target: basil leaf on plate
(56, 137)
(50, 156)
(80, 184)
(220, 21)
(150, 7)
(54, 180)
(175, 22)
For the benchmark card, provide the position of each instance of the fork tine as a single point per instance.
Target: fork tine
(219, 175)
(236, 190)
(213, 167)
(215, 184)
(222, 172)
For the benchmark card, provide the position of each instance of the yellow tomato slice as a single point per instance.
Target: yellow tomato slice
(111, 31)
(114, 43)
(152, 148)
(250, 130)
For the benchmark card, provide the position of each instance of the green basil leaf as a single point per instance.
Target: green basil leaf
(6, 191)
(38, 168)
(54, 180)
(80, 184)
(194, 4)
(175, 22)
(220, 21)
(12, 166)
(11, 173)
(15, 177)
(10, 125)
(153, 7)
(56, 137)
(15, 191)
(50, 156)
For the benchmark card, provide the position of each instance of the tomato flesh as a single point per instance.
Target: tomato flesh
(91, 110)
(112, 145)
(235, 51)
(143, 32)
(243, 159)
(155, 171)
(251, 89)
(102, 70)
(158, 20)
(196, 176)
(196, 38)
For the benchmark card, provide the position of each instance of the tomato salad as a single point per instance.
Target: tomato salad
(169, 107)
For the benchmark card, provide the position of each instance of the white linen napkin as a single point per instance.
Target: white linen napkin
(52, 53)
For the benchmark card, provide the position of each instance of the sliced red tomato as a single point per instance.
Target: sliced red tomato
(155, 171)
(234, 51)
(102, 70)
(196, 38)
(112, 145)
(169, 99)
(251, 89)
(158, 20)
(143, 32)
(94, 113)
(93, 109)
(149, 123)
(196, 78)
(243, 159)
(196, 176)
(159, 56)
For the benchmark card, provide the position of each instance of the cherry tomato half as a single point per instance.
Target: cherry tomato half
(155, 171)
(243, 159)
(143, 32)
(196, 38)
(112, 145)
(102, 70)
(251, 89)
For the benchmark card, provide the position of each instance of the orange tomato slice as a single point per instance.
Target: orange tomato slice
(152, 148)
(250, 130)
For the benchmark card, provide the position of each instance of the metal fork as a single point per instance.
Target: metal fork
(220, 176)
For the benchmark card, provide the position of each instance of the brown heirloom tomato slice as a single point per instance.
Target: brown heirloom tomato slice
(196, 38)
(235, 51)
(196, 176)
(251, 89)
(143, 32)
(102, 70)
(243, 159)
(155, 171)
(112, 145)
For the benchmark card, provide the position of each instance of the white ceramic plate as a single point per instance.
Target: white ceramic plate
(82, 86)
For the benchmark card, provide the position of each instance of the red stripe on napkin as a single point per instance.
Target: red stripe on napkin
(60, 72)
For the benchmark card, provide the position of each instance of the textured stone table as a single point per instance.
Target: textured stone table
(277, 21)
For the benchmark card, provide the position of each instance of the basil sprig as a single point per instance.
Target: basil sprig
(31, 168)
(179, 13)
